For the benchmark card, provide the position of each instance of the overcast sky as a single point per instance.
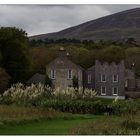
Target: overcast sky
(39, 19)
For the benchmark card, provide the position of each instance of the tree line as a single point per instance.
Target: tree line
(20, 58)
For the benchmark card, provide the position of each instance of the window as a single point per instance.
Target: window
(103, 90)
(69, 74)
(103, 78)
(89, 78)
(115, 78)
(53, 74)
(115, 90)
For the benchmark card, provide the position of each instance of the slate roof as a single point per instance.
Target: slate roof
(37, 78)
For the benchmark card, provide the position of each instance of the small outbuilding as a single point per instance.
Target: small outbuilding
(36, 79)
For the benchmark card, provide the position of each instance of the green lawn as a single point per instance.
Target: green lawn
(46, 127)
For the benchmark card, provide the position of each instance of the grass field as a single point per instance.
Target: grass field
(46, 127)
(18, 120)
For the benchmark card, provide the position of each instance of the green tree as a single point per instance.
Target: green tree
(111, 54)
(75, 82)
(48, 81)
(132, 56)
(14, 47)
(0, 57)
(4, 80)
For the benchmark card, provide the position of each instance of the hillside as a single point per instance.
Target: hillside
(117, 26)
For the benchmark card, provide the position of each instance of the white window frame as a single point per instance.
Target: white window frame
(53, 74)
(89, 78)
(114, 79)
(113, 90)
(102, 90)
(102, 78)
(69, 73)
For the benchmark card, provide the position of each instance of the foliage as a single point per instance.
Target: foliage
(76, 106)
(75, 82)
(0, 57)
(109, 125)
(74, 100)
(86, 52)
(48, 81)
(125, 108)
(15, 52)
(4, 80)
(111, 54)
(16, 113)
(132, 56)
(38, 95)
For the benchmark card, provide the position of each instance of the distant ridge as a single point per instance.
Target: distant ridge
(122, 25)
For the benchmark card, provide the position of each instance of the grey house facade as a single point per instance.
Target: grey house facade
(107, 79)
(62, 70)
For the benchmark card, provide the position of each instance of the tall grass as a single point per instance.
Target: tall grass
(111, 125)
(14, 113)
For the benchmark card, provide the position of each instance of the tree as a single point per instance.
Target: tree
(75, 82)
(132, 56)
(4, 80)
(14, 47)
(48, 81)
(0, 57)
(111, 54)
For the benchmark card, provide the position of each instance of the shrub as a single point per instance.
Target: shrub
(75, 82)
(37, 95)
(126, 107)
(48, 81)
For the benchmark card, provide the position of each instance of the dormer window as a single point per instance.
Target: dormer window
(115, 78)
(103, 78)
(69, 74)
(53, 74)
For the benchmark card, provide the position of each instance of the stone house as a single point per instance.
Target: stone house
(107, 79)
(62, 70)
(130, 80)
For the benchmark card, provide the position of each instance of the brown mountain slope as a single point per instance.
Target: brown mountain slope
(117, 26)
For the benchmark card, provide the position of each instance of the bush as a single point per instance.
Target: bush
(75, 106)
(48, 81)
(126, 107)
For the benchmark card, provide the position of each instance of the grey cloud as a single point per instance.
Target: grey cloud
(119, 7)
(37, 19)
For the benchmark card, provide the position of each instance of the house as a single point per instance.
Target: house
(107, 79)
(37, 78)
(62, 70)
(130, 80)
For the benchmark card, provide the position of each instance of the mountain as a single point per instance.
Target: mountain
(117, 26)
